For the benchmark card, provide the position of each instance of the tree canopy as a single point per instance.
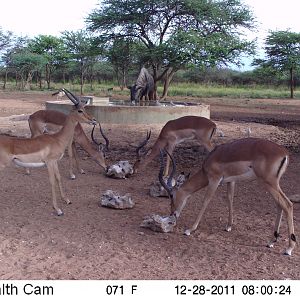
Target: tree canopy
(282, 50)
(172, 34)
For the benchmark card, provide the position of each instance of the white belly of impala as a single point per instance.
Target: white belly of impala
(32, 160)
(28, 164)
(247, 176)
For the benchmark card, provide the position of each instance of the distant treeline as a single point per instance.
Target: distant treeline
(104, 72)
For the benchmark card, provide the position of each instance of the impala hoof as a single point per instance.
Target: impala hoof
(68, 201)
(228, 228)
(187, 232)
(60, 212)
(72, 177)
(288, 252)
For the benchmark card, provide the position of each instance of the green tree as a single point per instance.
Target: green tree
(26, 63)
(51, 48)
(82, 50)
(15, 45)
(282, 50)
(5, 39)
(175, 33)
(121, 56)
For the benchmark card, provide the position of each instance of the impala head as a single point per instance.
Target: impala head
(167, 183)
(78, 111)
(100, 157)
(139, 159)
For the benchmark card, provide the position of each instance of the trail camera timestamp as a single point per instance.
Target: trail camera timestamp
(233, 290)
(204, 290)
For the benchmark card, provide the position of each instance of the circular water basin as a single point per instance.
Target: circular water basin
(122, 112)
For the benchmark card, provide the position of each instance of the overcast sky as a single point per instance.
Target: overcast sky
(51, 17)
(34, 17)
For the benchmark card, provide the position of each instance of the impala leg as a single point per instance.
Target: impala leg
(287, 206)
(211, 189)
(58, 179)
(230, 195)
(277, 226)
(75, 154)
(70, 153)
(52, 180)
(195, 183)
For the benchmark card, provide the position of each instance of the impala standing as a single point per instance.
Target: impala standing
(38, 123)
(242, 160)
(45, 150)
(175, 132)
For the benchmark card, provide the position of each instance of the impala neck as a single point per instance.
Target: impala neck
(65, 135)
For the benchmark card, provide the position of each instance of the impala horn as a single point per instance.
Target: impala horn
(166, 185)
(102, 147)
(142, 144)
(72, 97)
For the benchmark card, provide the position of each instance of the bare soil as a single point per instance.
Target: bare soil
(93, 242)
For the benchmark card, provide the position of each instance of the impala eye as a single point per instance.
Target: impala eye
(80, 111)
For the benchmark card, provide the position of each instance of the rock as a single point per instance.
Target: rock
(157, 190)
(121, 170)
(114, 200)
(159, 223)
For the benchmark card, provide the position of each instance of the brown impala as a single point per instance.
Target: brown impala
(242, 160)
(45, 150)
(39, 121)
(175, 132)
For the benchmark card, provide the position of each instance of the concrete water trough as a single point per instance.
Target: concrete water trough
(108, 111)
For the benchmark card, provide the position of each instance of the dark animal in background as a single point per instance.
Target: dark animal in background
(144, 87)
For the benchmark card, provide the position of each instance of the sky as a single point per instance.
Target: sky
(48, 17)
(51, 17)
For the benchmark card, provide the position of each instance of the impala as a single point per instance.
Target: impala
(245, 159)
(41, 119)
(175, 132)
(59, 94)
(45, 150)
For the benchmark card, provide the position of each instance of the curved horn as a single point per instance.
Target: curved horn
(169, 181)
(72, 97)
(167, 186)
(103, 135)
(142, 144)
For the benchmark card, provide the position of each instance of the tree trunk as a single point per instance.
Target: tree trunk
(48, 76)
(81, 78)
(5, 78)
(168, 79)
(64, 76)
(123, 79)
(292, 82)
(154, 67)
(40, 80)
(28, 81)
(16, 77)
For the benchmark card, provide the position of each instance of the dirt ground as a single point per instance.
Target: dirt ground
(93, 242)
